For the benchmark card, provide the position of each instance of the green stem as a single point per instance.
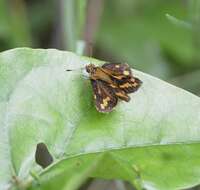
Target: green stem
(73, 15)
(67, 9)
(81, 21)
(195, 20)
(81, 17)
(94, 10)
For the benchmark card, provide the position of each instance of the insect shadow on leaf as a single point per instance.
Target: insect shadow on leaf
(43, 156)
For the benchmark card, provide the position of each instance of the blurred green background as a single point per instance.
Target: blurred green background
(158, 37)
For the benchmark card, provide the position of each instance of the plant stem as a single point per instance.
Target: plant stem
(67, 10)
(80, 24)
(95, 8)
(73, 21)
(81, 18)
(195, 20)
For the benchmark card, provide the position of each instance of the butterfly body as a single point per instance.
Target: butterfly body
(97, 73)
(111, 82)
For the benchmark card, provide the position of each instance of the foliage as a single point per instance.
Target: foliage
(152, 141)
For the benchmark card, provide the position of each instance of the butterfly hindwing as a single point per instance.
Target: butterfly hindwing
(119, 92)
(129, 85)
(123, 81)
(104, 96)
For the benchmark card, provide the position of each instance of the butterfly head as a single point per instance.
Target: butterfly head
(91, 68)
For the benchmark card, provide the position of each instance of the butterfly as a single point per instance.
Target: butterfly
(111, 82)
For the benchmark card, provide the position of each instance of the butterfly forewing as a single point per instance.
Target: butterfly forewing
(122, 76)
(104, 96)
(117, 70)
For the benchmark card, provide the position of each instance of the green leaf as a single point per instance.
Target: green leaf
(152, 141)
(178, 22)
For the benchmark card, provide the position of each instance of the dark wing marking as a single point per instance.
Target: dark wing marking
(104, 97)
(117, 70)
(119, 92)
(129, 85)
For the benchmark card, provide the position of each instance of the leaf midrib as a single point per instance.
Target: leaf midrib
(117, 149)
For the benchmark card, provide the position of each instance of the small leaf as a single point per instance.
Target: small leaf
(178, 22)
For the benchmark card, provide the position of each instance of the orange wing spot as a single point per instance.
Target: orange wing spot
(113, 86)
(108, 98)
(123, 96)
(105, 101)
(126, 73)
(118, 77)
(126, 85)
(135, 84)
(132, 80)
(120, 94)
(102, 106)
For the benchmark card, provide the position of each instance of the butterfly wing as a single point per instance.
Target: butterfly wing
(119, 92)
(122, 76)
(104, 96)
(117, 70)
(129, 85)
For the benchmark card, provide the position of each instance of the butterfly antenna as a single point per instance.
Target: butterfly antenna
(75, 69)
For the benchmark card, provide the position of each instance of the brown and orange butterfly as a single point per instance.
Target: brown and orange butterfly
(110, 82)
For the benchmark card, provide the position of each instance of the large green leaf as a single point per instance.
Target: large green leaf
(152, 141)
